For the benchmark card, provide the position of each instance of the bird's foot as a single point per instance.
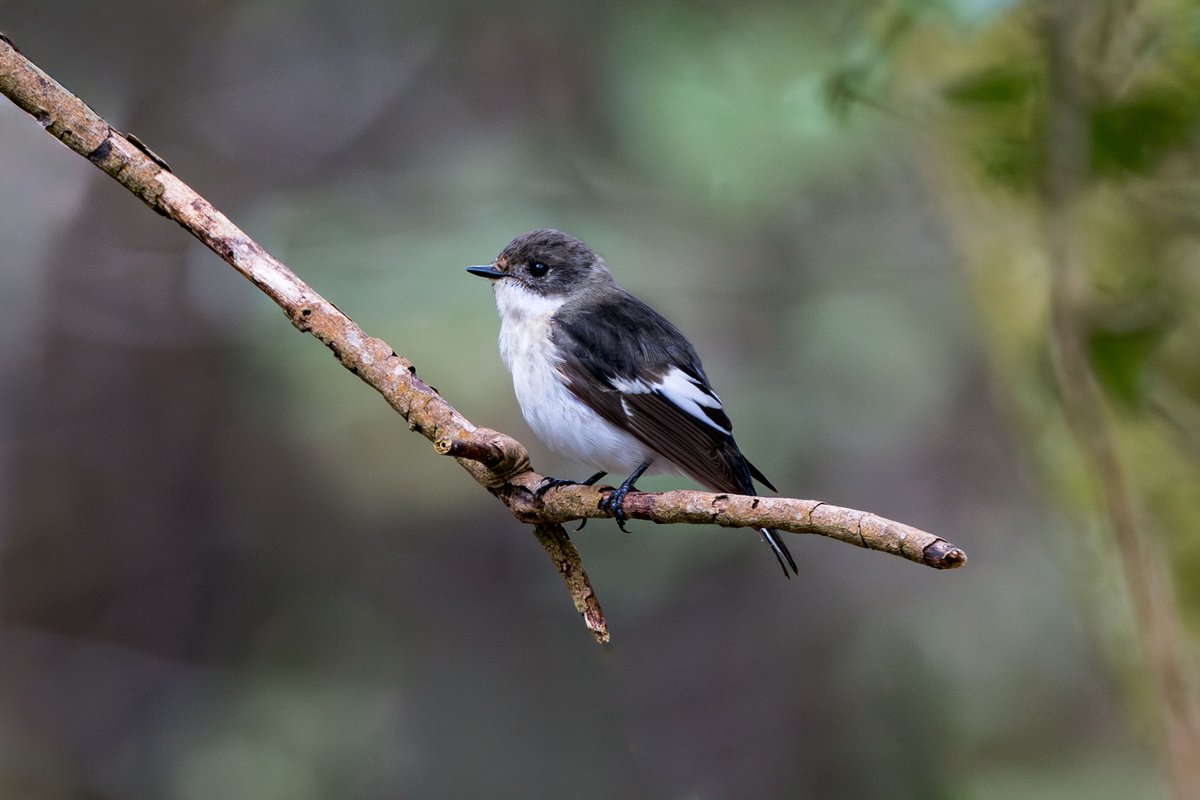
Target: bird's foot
(551, 483)
(614, 503)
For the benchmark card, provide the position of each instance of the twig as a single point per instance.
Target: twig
(495, 460)
(569, 564)
(848, 525)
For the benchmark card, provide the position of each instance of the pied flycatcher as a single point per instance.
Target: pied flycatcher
(604, 379)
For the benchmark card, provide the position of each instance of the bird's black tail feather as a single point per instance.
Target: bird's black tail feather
(782, 554)
(740, 479)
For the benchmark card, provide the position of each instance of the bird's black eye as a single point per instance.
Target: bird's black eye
(537, 269)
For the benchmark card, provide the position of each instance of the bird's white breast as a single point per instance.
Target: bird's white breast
(560, 419)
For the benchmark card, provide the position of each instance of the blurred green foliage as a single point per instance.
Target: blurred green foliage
(836, 201)
(1137, 95)
(1143, 103)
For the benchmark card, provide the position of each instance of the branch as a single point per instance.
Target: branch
(496, 461)
(860, 528)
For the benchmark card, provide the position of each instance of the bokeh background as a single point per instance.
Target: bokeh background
(227, 569)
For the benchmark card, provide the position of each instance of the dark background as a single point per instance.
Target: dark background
(227, 569)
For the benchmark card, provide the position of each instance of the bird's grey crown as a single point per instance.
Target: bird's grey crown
(571, 266)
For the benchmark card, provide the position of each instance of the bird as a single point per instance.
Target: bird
(604, 379)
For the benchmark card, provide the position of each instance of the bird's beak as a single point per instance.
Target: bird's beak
(486, 271)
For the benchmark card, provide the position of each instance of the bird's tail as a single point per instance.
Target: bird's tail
(743, 475)
(782, 554)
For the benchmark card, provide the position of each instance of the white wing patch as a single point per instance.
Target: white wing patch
(689, 394)
(682, 390)
(636, 386)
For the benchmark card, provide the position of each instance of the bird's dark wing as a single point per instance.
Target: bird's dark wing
(637, 371)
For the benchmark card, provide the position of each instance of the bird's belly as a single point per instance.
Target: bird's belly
(561, 420)
(571, 428)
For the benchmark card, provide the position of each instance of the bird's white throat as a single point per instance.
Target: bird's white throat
(524, 322)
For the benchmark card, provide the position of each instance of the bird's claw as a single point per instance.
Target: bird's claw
(552, 483)
(615, 504)
(549, 483)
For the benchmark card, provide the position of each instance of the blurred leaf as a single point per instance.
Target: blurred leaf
(847, 85)
(861, 71)
(993, 86)
(1135, 134)
(1014, 162)
(1118, 358)
(1006, 104)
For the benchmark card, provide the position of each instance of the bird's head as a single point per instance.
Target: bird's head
(549, 264)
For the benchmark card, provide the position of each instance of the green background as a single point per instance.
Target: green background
(227, 569)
